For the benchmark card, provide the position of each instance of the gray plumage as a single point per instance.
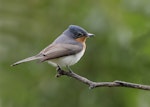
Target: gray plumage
(64, 45)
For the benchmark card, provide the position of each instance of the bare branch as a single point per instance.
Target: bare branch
(92, 84)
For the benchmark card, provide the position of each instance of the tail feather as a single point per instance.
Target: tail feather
(26, 60)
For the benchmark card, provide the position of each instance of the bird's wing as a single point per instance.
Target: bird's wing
(59, 50)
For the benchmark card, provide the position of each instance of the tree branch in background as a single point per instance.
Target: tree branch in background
(92, 84)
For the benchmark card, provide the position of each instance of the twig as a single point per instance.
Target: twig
(92, 84)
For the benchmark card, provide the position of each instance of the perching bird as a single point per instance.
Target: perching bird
(66, 50)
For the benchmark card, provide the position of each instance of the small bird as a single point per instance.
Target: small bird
(65, 50)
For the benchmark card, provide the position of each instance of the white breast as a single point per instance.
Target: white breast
(67, 60)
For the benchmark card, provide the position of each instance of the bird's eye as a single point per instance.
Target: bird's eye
(79, 34)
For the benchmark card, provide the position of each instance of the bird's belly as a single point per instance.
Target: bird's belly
(67, 60)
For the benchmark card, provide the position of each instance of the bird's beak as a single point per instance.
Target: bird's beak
(90, 34)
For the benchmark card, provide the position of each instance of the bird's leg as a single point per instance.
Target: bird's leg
(59, 71)
(69, 69)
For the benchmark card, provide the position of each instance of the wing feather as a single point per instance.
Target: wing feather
(59, 50)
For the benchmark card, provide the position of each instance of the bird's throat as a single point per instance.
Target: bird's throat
(82, 39)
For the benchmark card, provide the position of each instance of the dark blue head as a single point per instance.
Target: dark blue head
(78, 31)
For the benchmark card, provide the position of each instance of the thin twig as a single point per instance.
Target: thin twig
(92, 84)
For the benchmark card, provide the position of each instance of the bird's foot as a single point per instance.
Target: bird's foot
(60, 72)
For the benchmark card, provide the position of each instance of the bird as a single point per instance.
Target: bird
(65, 51)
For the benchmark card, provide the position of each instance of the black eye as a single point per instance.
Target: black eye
(79, 34)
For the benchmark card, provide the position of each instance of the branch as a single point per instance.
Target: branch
(92, 84)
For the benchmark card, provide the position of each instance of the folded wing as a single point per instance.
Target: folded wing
(59, 50)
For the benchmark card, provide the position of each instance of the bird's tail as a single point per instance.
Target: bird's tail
(26, 60)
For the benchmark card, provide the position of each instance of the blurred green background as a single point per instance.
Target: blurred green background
(119, 51)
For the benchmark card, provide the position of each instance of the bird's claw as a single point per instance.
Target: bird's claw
(59, 71)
